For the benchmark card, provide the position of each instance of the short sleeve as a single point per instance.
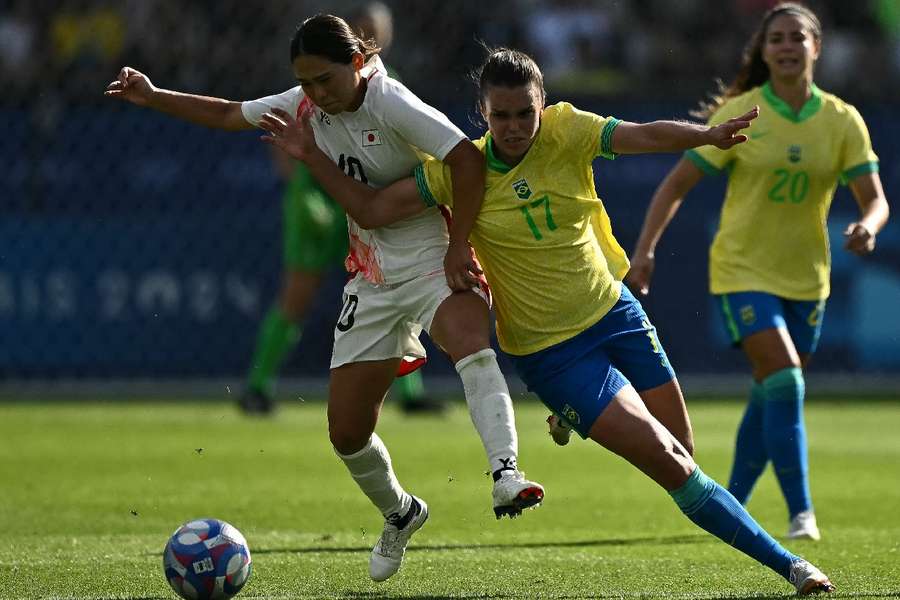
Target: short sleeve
(288, 101)
(419, 124)
(585, 134)
(857, 155)
(434, 183)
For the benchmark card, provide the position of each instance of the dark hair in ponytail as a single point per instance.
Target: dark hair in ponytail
(507, 68)
(753, 71)
(330, 37)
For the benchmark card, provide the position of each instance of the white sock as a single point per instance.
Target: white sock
(372, 471)
(490, 408)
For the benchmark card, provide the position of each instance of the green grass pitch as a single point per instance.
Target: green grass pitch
(90, 492)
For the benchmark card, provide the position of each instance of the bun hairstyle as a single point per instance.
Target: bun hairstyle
(332, 38)
(507, 68)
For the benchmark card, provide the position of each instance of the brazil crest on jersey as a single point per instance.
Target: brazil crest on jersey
(772, 234)
(542, 236)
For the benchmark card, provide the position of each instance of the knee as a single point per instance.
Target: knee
(346, 442)
(680, 475)
(293, 305)
(761, 372)
(679, 468)
(297, 293)
(688, 443)
(293, 315)
(466, 344)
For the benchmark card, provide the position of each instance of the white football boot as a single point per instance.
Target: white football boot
(559, 431)
(803, 527)
(808, 579)
(387, 555)
(513, 493)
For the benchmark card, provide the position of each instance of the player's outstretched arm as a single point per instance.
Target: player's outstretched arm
(135, 87)
(665, 203)
(874, 211)
(368, 207)
(677, 136)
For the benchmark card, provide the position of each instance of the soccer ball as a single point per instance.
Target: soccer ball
(207, 559)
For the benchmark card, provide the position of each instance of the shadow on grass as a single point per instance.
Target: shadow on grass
(356, 595)
(661, 594)
(848, 594)
(830, 596)
(653, 541)
(502, 596)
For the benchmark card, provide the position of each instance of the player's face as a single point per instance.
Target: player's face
(790, 49)
(333, 87)
(513, 115)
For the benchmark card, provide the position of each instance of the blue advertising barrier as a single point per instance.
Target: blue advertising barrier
(133, 245)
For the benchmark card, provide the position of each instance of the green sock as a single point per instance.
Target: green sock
(410, 387)
(277, 336)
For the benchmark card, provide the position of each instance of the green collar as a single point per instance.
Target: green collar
(493, 162)
(810, 108)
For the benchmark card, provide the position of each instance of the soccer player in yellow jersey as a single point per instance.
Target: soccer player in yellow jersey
(418, 274)
(576, 335)
(769, 262)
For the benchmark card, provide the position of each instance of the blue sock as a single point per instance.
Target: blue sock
(785, 436)
(749, 447)
(710, 506)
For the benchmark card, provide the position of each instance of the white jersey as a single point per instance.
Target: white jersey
(379, 143)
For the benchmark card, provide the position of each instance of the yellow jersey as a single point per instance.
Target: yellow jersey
(772, 234)
(543, 237)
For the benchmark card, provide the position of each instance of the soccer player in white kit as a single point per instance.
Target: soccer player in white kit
(416, 274)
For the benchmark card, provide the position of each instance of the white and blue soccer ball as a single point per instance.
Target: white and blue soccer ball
(207, 559)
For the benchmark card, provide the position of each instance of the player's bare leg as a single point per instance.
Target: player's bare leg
(666, 403)
(300, 288)
(355, 396)
(770, 351)
(627, 428)
(278, 335)
(461, 327)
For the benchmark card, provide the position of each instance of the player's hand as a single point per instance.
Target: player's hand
(859, 240)
(294, 136)
(131, 85)
(640, 273)
(728, 134)
(460, 267)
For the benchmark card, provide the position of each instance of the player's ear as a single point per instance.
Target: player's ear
(817, 48)
(358, 60)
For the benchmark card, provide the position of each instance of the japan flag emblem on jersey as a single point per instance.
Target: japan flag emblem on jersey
(371, 137)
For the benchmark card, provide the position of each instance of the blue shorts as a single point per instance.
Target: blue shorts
(578, 378)
(746, 313)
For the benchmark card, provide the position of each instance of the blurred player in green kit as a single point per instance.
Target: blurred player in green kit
(314, 241)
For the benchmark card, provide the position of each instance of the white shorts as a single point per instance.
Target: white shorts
(378, 322)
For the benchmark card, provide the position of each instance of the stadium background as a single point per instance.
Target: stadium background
(138, 249)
